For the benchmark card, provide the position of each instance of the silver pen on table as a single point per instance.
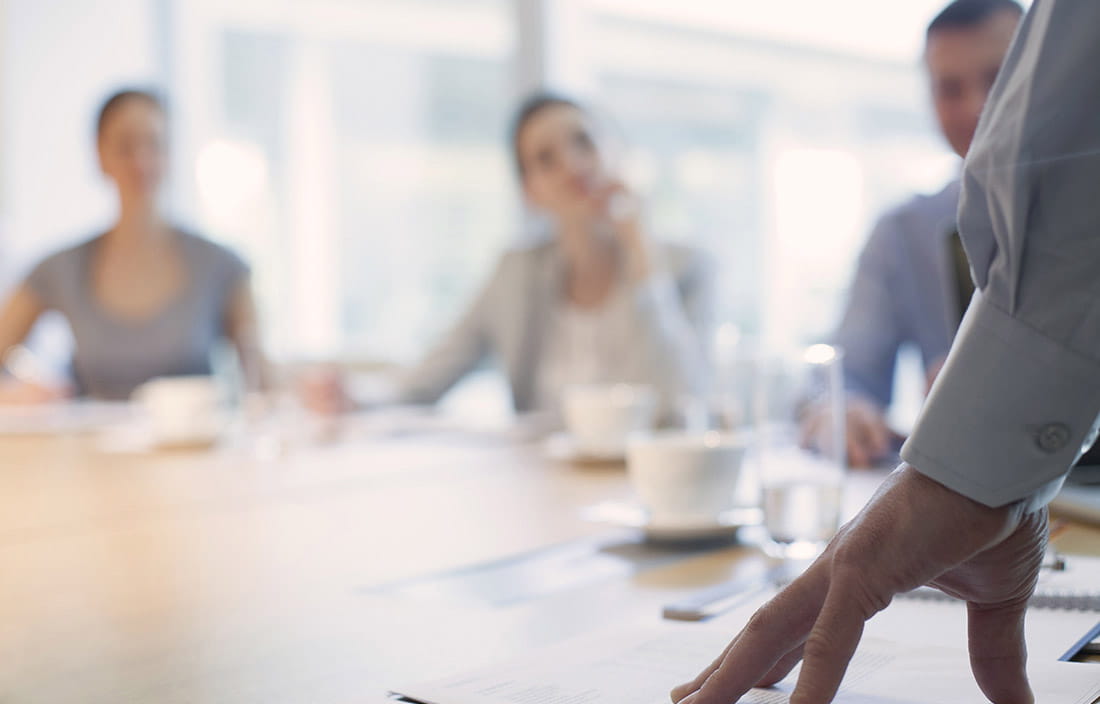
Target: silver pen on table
(723, 597)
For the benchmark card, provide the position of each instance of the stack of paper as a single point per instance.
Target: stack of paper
(640, 667)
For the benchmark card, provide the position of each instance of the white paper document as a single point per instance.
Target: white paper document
(640, 666)
(62, 417)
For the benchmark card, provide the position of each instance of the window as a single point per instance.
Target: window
(355, 152)
(772, 155)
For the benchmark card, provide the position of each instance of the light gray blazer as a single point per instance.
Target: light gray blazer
(507, 321)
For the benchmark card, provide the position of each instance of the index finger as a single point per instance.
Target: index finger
(775, 629)
(831, 645)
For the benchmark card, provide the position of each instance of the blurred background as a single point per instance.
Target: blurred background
(355, 150)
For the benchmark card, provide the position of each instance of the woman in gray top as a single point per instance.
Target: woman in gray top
(600, 302)
(143, 299)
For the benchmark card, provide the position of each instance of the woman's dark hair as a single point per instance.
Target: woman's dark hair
(531, 106)
(120, 98)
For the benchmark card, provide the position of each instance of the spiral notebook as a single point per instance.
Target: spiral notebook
(1076, 588)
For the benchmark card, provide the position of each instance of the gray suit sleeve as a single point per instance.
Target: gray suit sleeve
(457, 353)
(1020, 392)
(868, 332)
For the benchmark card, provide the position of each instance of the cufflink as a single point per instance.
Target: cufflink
(1052, 437)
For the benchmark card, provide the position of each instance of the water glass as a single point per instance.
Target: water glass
(799, 452)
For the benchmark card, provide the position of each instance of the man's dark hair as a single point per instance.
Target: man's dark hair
(120, 98)
(531, 106)
(964, 14)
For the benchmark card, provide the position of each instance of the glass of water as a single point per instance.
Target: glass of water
(798, 418)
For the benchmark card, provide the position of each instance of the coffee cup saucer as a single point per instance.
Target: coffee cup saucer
(565, 447)
(139, 437)
(628, 514)
(192, 439)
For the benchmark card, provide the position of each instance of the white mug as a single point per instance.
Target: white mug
(601, 417)
(182, 410)
(687, 477)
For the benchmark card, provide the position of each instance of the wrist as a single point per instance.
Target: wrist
(1001, 521)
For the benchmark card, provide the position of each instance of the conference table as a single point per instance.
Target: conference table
(321, 572)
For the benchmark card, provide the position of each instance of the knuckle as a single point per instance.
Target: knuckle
(763, 620)
(854, 577)
(867, 600)
(819, 646)
(849, 556)
(758, 622)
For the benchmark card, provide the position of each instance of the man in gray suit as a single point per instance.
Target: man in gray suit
(1017, 399)
(912, 282)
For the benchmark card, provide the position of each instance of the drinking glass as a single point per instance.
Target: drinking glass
(799, 448)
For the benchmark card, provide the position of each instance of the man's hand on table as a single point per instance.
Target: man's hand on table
(914, 531)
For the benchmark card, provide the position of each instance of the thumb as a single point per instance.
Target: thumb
(998, 655)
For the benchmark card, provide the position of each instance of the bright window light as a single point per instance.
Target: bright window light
(231, 177)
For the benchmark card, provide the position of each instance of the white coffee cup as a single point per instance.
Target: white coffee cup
(601, 417)
(183, 410)
(685, 477)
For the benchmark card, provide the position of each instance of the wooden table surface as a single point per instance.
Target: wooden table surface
(220, 577)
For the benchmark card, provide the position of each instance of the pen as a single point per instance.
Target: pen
(1084, 646)
(723, 597)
